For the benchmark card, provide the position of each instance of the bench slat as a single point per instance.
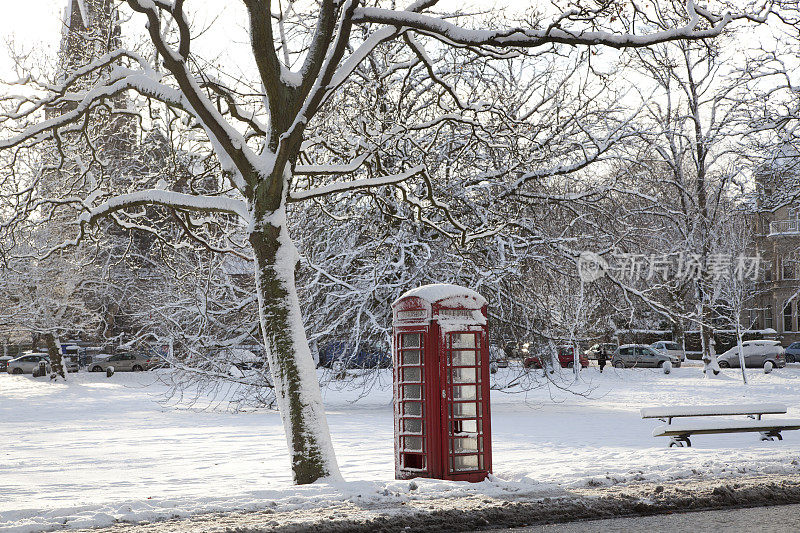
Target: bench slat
(700, 427)
(713, 410)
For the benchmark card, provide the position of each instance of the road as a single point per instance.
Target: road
(763, 519)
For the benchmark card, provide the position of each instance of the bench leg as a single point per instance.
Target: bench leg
(679, 441)
(771, 435)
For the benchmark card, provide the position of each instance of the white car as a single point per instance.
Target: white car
(27, 363)
(756, 354)
(670, 348)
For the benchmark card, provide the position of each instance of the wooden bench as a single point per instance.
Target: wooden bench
(680, 431)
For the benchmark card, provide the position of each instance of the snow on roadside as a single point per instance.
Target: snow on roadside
(96, 450)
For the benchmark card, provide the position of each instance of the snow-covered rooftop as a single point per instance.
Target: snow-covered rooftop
(436, 292)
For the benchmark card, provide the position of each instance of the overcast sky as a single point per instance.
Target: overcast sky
(37, 24)
(31, 23)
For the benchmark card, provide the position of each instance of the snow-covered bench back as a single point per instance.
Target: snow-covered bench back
(713, 410)
(680, 431)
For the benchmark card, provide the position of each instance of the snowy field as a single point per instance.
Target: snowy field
(98, 450)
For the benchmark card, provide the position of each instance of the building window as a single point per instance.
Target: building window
(767, 270)
(787, 316)
(753, 320)
(791, 266)
(768, 317)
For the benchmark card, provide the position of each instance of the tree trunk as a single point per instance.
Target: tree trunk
(290, 361)
(54, 351)
(705, 338)
(710, 365)
(740, 347)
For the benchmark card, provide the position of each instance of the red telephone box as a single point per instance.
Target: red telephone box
(441, 384)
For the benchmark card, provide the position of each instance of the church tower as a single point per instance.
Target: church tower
(91, 29)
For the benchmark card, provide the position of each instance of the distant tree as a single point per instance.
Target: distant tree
(693, 119)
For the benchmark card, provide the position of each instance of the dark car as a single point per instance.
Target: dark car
(4, 362)
(497, 357)
(365, 355)
(532, 361)
(792, 353)
(566, 359)
(246, 359)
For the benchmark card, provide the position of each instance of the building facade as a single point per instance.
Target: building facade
(777, 239)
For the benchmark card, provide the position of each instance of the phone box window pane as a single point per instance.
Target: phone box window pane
(464, 426)
(410, 357)
(412, 392)
(464, 375)
(412, 425)
(465, 462)
(463, 340)
(467, 444)
(413, 408)
(417, 462)
(413, 444)
(465, 392)
(411, 340)
(464, 357)
(412, 374)
(464, 410)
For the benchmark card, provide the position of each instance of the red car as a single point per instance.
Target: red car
(532, 361)
(565, 359)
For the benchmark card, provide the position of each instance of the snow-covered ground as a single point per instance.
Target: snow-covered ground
(98, 450)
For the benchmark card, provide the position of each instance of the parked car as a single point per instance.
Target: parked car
(497, 357)
(532, 361)
(4, 362)
(153, 361)
(122, 362)
(246, 360)
(606, 347)
(25, 364)
(366, 355)
(565, 358)
(641, 355)
(671, 348)
(516, 350)
(756, 354)
(792, 353)
(70, 364)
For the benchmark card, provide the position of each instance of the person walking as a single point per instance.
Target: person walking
(601, 358)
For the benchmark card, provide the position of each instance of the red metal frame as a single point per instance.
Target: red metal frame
(455, 427)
